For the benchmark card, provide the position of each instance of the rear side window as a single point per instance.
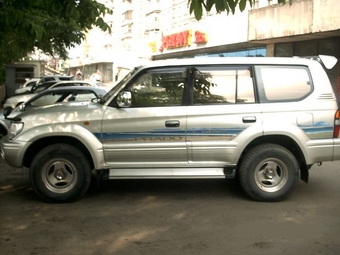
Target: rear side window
(283, 83)
(223, 85)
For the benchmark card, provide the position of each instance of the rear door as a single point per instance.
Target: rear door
(224, 114)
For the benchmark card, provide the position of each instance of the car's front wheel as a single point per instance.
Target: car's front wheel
(269, 173)
(60, 173)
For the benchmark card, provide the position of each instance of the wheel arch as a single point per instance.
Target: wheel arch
(286, 142)
(40, 144)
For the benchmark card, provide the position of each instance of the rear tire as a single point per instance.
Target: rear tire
(269, 173)
(60, 173)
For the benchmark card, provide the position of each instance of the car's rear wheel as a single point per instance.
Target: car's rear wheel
(269, 173)
(60, 173)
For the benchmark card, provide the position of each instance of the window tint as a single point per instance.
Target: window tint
(161, 87)
(223, 85)
(285, 83)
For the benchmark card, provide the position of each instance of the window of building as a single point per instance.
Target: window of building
(127, 15)
(309, 48)
(127, 29)
(251, 52)
(284, 50)
(329, 47)
(229, 85)
(21, 73)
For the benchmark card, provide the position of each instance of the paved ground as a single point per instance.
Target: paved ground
(172, 217)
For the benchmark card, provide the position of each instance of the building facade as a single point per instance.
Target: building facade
(161, 29)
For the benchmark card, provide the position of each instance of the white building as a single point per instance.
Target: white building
(161, 29)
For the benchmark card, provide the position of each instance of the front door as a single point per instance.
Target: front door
(150, 133)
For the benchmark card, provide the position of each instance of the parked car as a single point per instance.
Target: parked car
(20, 98)
(266, 121)
(49, 97)
(27, 85)
(56, 78)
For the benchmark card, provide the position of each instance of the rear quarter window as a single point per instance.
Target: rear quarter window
(283, 83)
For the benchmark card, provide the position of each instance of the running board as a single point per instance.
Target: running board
(171, 173)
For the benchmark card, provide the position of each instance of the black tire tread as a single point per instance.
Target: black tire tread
(77, 157)
(251, 157)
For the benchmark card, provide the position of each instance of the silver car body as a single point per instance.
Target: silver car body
(188, 140)
(14, 101)
(46, 98)
(27, 85)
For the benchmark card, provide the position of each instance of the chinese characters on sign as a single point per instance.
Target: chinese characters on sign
(182, 39)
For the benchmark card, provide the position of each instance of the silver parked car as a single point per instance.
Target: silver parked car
(266, 121)
(16, 100)
(27, 86)
(49, 97)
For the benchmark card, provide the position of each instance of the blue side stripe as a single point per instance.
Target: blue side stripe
(167, 133)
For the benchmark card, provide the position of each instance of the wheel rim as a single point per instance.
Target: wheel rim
(59, 176)
(271, 175)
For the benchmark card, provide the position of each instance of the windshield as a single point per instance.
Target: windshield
(41, 86)
(118, 86)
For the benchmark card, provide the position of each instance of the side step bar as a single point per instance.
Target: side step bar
(170, 173)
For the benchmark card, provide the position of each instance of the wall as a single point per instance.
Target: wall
(302, 17)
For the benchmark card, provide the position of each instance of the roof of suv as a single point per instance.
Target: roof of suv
(242, 60)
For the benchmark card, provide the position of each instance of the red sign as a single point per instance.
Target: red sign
(201, 37)
(182, 39)
(176, 40)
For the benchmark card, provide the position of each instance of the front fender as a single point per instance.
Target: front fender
(29, 138)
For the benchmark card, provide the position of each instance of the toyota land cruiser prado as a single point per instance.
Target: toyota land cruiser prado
(266, 121)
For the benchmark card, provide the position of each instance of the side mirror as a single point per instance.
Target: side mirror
(7, 111)
(124, 99)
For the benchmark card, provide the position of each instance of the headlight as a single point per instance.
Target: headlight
(14, 129)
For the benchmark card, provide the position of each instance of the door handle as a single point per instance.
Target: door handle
(249, 119)
(172, 123)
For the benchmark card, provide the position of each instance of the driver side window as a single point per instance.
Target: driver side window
(157, 88)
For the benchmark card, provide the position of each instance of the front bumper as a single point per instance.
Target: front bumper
(12, 151)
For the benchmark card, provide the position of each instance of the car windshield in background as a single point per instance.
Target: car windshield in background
(41, 86)
(60, 97)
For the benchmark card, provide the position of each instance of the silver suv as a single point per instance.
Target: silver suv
(264, 120)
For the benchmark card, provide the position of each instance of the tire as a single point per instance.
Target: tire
(60, 173)
(269, 173)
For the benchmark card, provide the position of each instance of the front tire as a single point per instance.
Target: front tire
(269, 173)
(60, 173)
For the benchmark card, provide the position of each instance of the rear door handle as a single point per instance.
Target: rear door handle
(172, 123)
(249, 119)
